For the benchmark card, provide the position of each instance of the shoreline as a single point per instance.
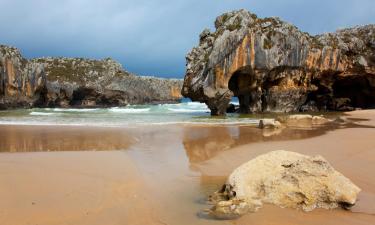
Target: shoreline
(164, 176)
(183, 118)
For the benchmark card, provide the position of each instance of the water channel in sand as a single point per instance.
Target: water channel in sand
(163, 174)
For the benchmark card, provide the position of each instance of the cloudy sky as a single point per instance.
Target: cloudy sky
(152, 37)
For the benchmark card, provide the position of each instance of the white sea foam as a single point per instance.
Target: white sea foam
(129, 110)
(183, 113)
(196, 104)
(41, 114)
(186, 110)
(74, 110)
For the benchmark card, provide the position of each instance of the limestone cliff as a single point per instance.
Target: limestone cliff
(21, 81)
(77, 82)
(271, 66)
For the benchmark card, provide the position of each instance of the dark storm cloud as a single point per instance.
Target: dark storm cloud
(151, 37)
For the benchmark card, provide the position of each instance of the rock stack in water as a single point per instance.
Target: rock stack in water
(76, 82)
(272, 66)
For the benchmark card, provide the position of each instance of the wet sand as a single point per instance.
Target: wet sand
(63, 138)
(163, 174)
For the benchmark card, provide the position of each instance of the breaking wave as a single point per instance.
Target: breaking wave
(162, 114)
(129, 110)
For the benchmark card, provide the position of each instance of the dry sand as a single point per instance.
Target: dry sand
(163, 175)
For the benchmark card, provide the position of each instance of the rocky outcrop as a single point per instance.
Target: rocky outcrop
(286, 179)
(77, 82)
(305, 119)
(21, 81)
(295, 121)
(271, 66)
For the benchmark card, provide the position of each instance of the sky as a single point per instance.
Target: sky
(152, 37)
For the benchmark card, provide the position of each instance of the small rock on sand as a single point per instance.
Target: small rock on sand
(269, 123)
(305, 120)
(300, 117)
(319, 120)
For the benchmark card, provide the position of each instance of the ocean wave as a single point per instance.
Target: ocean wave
(73, 110)
(196, 104)
(129, 110)
(188, 110)
(170, 104)
(41, 114)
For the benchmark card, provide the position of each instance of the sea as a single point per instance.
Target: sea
(184, 112)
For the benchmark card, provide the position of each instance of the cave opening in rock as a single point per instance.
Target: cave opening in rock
(82, 95)
(343, 92)
(353, 91)
(240, 85)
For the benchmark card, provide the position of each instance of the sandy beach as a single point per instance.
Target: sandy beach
(163, 174)
(187, 112)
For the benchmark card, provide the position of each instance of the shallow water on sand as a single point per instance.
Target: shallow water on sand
(161, 174)
(184, 113)
(129, 116)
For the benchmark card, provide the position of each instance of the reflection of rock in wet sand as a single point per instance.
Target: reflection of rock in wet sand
(28, 138)
(203, 143)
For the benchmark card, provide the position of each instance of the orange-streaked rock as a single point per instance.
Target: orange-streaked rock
(76, 82)
(288, 69)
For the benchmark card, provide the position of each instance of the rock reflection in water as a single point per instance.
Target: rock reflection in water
(33, 139)
(203, 143)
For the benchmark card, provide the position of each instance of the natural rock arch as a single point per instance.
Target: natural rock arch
(242, 83)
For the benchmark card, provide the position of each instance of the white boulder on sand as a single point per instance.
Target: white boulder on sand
(286, 179)
(269, 123)
(305, 119)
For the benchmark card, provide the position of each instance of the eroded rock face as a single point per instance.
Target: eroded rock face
(89, 83)
(21, 81)
(77, 82)
(286, 179)
(271, 66)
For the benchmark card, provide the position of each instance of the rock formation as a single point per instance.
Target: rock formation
(305, 120)
(271, 66)
(21, 82)
(269, 123)
(76, 82)
(286, 179)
